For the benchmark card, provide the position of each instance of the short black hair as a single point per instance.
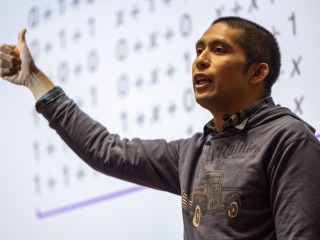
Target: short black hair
(258, 44)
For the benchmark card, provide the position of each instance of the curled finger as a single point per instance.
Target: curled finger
(6, 72)
(9, 49)
(9, 61)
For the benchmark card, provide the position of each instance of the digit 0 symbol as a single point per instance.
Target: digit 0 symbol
(188, 100)
(92, 60)
(122, 49)
(63, 72)
(33, 17)
(185, 25)
(123, 85)
(35, 48)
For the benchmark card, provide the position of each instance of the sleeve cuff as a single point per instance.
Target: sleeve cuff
(50, 96)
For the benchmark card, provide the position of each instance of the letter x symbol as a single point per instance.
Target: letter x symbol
(296, 66)
(254, 5)
(153, 40)
(298, 105)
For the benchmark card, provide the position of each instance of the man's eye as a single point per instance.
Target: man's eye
(219, 50)
(199, 51)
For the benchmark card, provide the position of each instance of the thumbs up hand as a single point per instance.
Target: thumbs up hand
(18, 67)
(16, 63)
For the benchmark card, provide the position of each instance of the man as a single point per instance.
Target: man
(254, 171)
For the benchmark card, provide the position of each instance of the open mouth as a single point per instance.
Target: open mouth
(201, 79)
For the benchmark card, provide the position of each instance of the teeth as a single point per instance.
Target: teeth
(203, 81)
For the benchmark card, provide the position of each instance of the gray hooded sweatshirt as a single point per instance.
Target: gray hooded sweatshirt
(258, 183)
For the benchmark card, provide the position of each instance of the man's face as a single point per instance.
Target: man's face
(219, 81)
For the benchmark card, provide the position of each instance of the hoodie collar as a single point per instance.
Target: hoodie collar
(240, 119)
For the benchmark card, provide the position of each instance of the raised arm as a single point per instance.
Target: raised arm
(150, 163)
(18, 67)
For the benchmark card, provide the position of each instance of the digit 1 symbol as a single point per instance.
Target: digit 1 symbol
(186, 57)
(92, 29)
(151, 6)
(124, 118)
(36, 150)
(35, 118)
(62, 35)
(37, 183)
(293, 19)
(65, 172)
(93, 92)
(62, 8)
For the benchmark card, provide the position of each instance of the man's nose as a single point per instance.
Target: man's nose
(202, 61)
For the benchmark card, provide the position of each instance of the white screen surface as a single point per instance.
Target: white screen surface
(127, 64)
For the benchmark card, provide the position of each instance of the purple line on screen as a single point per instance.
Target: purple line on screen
(74, 206)
(318, 135)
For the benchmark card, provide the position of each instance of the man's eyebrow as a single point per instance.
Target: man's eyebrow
(213, 43)
(199, 43)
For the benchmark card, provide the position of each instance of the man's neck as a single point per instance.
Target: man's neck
(220, 117)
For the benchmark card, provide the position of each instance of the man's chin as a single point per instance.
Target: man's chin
(204, 101)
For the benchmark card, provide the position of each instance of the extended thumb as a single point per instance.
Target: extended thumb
(21, 37)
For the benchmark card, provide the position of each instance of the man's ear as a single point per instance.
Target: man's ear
(259, 72)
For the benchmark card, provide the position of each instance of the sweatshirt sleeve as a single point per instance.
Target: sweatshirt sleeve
(151, 163)
(295, 192)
